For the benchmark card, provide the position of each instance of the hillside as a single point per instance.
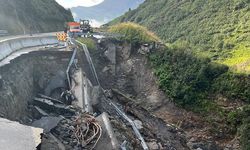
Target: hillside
(217, 29)
(105, 11)
(206, 65)
(20, 16)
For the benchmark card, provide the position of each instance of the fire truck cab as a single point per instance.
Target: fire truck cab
(74, 27)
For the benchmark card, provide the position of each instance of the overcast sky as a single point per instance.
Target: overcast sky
(74, 3)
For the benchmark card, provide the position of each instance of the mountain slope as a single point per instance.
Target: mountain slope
(105, 11)
(217, 29)
(20, 16)
(206, 65)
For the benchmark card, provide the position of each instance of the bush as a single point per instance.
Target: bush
(233, 86)
(245, 134)
(133, 33)
(241, 119)
(184, 77)
(183, 45)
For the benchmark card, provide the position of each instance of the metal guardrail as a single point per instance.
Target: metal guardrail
(4, 32)
(89, 59)
(69, 66)
(70, 63)
(131, 122)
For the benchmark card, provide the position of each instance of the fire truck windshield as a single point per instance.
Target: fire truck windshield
(75, 27)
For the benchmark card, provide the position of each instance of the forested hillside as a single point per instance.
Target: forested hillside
(21, 16)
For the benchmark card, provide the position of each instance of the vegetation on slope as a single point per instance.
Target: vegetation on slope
(90, 43)
(133, 33)
(241, 119)
(219, 29)
(204, 39)
(184, 77)
(193, 82)
(21, 16)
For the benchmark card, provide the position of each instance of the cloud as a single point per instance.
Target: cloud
(75, 3)
(74, 15)
(95, 23)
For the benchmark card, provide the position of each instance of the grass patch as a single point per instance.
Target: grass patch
(90, 43)
(238, 60)
(134, 33)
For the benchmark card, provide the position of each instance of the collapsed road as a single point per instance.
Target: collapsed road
(56, 90)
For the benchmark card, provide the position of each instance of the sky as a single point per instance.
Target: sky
(74, 3)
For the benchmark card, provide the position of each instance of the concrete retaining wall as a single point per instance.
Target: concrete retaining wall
(11, 45)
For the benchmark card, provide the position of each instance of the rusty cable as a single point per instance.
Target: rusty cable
(92, 132)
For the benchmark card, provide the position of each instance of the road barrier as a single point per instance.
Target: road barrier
(61, 37)
(9, 46)
(3, 32)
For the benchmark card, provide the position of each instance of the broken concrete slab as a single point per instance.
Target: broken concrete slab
(49, 98)
(153, 145)
(138, 124)
(108, 135)
(50, 142)
(110, 53)
(84, 91)
(40, 111)
(47, 123)
(51, 107)
(15, 136)
(77, 90)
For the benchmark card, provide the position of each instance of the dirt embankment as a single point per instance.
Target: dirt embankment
(123, 67)
(120, 66)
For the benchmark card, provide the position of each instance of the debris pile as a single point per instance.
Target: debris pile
(157, 134)
(77, 113)
(79, 132)
(69, 125)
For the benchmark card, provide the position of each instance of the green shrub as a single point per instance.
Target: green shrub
(183, 76)
(183, 45)
(233, 86)
(245, 134)
(241, 119)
